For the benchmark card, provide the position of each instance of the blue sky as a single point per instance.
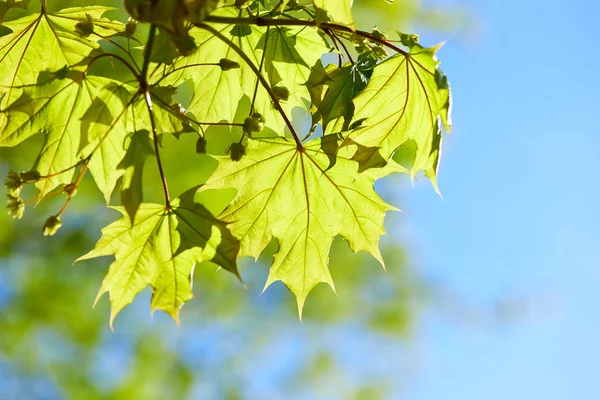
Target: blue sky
(518, 215)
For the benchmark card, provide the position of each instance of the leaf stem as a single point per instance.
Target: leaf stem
(148, 99)
(261, 78)
(148, 52)
(145, 91)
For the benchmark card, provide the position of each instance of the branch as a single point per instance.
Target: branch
(261, 21)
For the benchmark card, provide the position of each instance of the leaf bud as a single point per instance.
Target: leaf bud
(85, 28)
(380, 52)
(281, 93)
(30, 176)
(52, 225)
(226, 64)
(201, 145)
(70, 189)
(376, 33)
(254, 123)
(15, 206)
(408, 39)
(13, 183)
(357, 40)
(238, 151)
(131, 26)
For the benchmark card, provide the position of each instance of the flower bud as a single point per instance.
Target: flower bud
(378, 34)
(85, 28)
(281, 93)
(131, 26)
(52, 225)
(226, 64)
(380, 52)
(15, 206)
(30, 176)
(13, 183)
(254, 123)
(238, 151)
(201, 145)
(70, 189)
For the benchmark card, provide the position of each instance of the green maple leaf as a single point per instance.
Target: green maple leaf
(117, 111)
(223, 95)
(406, 99)
(290, 55)
(160, 249)
(105, 127)
(226, 95)
(54, 109)
(340, 11)
(49, 42)
(303, 199)
(332, 89)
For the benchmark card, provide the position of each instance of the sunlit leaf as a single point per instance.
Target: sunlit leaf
(160, 249)
(49, 42)
(407, 99)
(53, 109)
(304, 201)
(340, 11)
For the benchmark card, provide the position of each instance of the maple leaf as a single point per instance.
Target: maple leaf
(406, 99)
(160, 249)
(303, 199)
(50, 42)
(54, 109)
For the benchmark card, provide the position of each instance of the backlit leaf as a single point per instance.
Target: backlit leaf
(302, 200)
(160, 249)
(407, 99)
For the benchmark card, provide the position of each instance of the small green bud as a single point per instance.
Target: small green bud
(30, 176)
(362, 48)
(15, 206)
(52, 225)
(85, 28)
(409, 39)
(238, 151)
(201, 145)
(131, 26)
(281, 93)
(378, 34)
(380, 52)
(260, 119)
(226, 64)
(13, 183)
(70, 189)
(254, 123)
(357, 40)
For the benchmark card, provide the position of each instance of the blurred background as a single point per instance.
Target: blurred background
(490, 292)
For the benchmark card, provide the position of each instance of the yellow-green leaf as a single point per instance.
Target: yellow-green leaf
(407, 99)
(160, 249)
(303, 199)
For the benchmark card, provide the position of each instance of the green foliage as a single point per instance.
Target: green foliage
(256, 70)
